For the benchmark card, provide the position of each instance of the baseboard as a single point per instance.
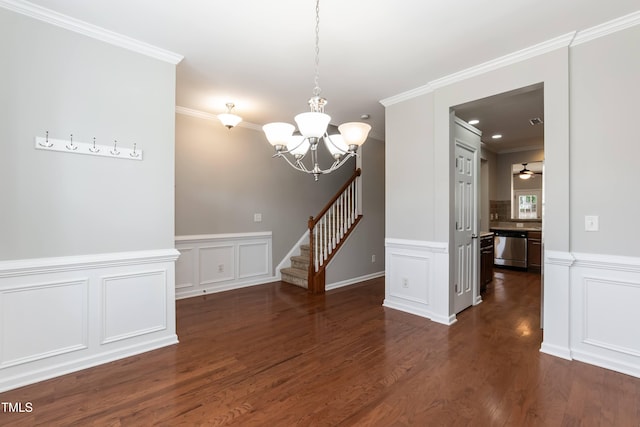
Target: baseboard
(353, 281)
(225, 287)
(608, 363)
(418, 311)
(561, 352)
(57, 370)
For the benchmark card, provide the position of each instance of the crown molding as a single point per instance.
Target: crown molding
(503, 61)
(404, 96)
(567, 40)
(512, 58)
(72, 24)
(607, 28)
(213, 117)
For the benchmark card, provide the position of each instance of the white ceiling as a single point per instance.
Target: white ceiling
(260, 53)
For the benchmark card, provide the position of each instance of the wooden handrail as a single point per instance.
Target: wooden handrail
(313, 221)
(316, 279)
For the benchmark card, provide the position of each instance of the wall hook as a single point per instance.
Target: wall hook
(46, 144)
(115, 151)
(134, 154)
(71, 146)
(94, 149)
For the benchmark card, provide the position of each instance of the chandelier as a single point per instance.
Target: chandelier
(300, 149)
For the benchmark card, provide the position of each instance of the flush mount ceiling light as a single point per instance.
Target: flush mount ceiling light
(473, 122)
(229, 119)
(312, 128)
(496, 136)
(525, 173)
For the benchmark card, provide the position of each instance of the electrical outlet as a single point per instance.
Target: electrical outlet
(591, 223)
(405, 282)
(373, 258)
(220, 268)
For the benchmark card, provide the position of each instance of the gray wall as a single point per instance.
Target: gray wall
(590, 153)
(418, 187)
(56, 204)
(368, 238)
(224, 177)
(605, 89)
(409, 180)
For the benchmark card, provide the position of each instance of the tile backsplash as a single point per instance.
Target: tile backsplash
(499, 210)
(500, 215)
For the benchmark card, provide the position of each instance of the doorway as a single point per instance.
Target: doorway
(512, 129)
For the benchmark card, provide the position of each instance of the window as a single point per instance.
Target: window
(527, 204)
(527, 207)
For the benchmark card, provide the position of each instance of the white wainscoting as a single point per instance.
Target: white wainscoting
(59, 315)
(221, 262)
(413, 269)
(605, 311)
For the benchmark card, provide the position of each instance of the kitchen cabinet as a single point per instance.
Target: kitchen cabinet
(486, 260)
(534, 251)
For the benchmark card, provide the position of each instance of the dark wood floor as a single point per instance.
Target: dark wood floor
(273, 355)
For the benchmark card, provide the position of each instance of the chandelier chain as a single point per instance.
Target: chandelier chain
(316, 89)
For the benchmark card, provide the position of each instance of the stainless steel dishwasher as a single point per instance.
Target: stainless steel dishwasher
(510, 248)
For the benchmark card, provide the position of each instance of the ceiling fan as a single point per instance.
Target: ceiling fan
(526, 173)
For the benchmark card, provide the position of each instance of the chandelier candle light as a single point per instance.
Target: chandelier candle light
(312, 127)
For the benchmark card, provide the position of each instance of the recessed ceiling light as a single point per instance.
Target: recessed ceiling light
(496, 136)
(364, 117)
(473, 121)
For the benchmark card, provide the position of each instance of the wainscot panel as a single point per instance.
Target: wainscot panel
(221, 262)
(413, 267)
(60, 315)
(605, 293)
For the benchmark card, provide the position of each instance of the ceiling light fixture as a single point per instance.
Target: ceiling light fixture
(312, 128)
(496, 136)
(473, 122)
(525, 173)
(229, 119)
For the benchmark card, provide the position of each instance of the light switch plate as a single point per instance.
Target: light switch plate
(591, 223)
(257, 217)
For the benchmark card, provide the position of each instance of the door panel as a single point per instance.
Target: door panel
(466, 245)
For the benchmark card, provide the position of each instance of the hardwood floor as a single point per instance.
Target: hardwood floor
(274, 355)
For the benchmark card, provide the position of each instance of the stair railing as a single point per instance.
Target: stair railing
(330, 228)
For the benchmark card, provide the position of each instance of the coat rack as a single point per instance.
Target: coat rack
(90, 148)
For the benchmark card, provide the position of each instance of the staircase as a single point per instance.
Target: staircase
(327, 232)
(298, 273)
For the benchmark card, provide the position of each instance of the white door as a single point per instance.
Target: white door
(466, 247)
